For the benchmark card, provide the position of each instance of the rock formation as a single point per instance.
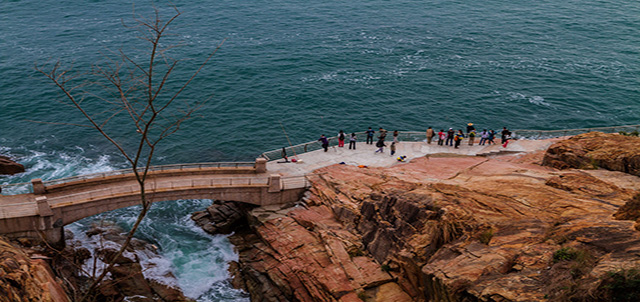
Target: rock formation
(447, 229)
(41, 274)
(7, 166)
(222, 217)
(24, 278)
(596, 150)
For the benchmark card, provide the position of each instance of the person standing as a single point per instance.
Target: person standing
(430, 134)
(472, 137)
(441, 137)
(458, 138)
(483, 137)
(352, 141)
(325, 142)
(341, 139)
(492, 136)
(382, 134)
(395, 136)
(450, 135)
(370, 133)
(504, 133)
(470, 128)
(393, 148)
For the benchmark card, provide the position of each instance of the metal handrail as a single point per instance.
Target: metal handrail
(417, 136)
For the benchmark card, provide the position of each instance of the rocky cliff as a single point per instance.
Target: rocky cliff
(27, 278)
(445, 228)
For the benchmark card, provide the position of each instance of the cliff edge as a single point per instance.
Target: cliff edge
(442, 228)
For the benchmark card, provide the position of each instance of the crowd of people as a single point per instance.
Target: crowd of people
(449, 138)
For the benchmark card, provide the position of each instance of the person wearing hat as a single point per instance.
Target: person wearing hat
(470, 128)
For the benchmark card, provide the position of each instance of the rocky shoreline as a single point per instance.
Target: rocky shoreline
(441, 228)
(554, 225)
(30, 272)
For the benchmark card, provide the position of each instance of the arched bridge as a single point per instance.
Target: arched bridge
(54, 204)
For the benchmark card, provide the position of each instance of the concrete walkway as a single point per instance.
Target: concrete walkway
(364, 155)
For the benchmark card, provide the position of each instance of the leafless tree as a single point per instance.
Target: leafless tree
(139, 90)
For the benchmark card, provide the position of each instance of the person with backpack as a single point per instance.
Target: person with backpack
(430, 134)
(341, 139)
(472, 137)
(458, 138)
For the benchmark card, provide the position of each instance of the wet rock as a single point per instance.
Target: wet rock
(8, 166)
(222, 217)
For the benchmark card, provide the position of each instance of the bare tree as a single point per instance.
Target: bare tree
(140, 91)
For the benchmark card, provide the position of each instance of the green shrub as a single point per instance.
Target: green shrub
(485, 236)
(385, 268)
(623, 285)
(564, 254)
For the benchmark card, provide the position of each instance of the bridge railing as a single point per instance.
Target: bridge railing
(151, 169)
(17, 188)
(291, 182)
(542, 134)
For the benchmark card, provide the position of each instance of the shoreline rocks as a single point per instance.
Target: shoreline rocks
(443, 229)
(10, 167)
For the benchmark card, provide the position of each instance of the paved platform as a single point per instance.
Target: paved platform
(364, 155)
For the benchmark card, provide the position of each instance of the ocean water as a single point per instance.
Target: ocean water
(318, 67)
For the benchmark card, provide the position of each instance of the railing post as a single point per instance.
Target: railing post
(44, 209)
(260, 165)
(275, 183)
(38, 186)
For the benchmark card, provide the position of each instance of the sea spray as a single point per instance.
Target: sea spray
(198, 261)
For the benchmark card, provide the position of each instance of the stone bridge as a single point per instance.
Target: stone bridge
(54, 204)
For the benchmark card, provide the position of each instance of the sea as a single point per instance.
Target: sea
(307, 68)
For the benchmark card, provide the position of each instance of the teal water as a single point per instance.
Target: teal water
(324, 66)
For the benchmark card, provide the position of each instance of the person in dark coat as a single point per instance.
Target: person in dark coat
(325, 142)
(450, 134)
(380, 144)
(370, 133)
(505, 133)
(470, 128)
